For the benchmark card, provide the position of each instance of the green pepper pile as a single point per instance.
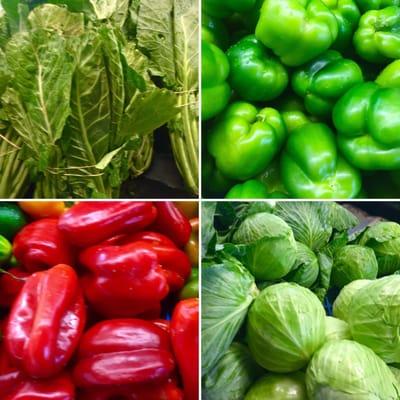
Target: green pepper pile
(301, 98)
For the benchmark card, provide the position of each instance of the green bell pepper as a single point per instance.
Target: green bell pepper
(347, 16)
(255, 73)
(12, 219)
(215, 90)
(312, 168)
(224, 8)
(377, 38)
(365, 5)
(245, 140)
(367, 118)
(214, 31)
(390, 76)
(296, 30)
(191, 288)
(5, 250)
(214, 183)
(324, 80)
(251, 189)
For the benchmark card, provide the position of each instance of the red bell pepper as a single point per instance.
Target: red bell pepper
(90, 222)
(11, 284)
(165, 391)
(123, 281)
(46, 322)
(175, 262)
(123, 352)
(40, 245)
(172, 222)
(16, 386)
(185, 342)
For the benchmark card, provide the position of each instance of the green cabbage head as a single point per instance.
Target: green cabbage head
(374, 317)
(279, 387)
(286, 325)
(347, 370)
(342, 302)
(384, 239)
(353, 262)
(269, 248)
(336, 329)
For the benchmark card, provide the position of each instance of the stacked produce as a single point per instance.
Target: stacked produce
(99, 301)
(83, 87)
(300, 301)
(301, 99)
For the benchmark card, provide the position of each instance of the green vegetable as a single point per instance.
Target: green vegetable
(232, 375)
(324, 80)
(251, 189)
(374, 319)
(384, 238)
(224, 8)
(366, 5)
(5, 250)
(213, 30)
(214, 74)
(390, 75)
(396, 373)
(268, 246)
(227, 291)
(336, 329)
(245, 140)
(279, 387)
(312, 168)
(306, 269)
(367, 118)
(341, 306)
(191, 288)
(12, 219)
(255, 73)
(353, 262)
(297, 31)
(377, 37)
(343, 369)
(286, 325)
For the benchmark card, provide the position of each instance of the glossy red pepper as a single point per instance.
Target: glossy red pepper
(123, 281)
(16, 386)
(123, 352)
(46, 322)
(90, 222)
(164, 391)
(185, 342)
(174, 261)
(172, 222)
(11, 284)
(40, 245)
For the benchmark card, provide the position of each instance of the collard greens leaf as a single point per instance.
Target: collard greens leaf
(228, 290)
(115, 10)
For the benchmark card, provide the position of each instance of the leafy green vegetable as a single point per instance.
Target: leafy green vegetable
(227, 291)
(346, 370)
(279, 387)
(336, 329)
(353, 262)
(341, 306)
(208, 233)
(286, 325)
(232, 375)
(268, 244)
(374, 317)
(384, 239)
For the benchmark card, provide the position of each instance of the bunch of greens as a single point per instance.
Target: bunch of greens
(270, 275)
(83, 86)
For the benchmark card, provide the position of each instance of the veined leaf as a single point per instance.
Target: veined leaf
(116, 10)
(37, 100)
(57, 18)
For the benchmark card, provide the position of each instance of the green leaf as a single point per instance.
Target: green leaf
(228, 290)
(341, 218)
(208, 233)
(115, 10)
(37, 101)
(57, 18)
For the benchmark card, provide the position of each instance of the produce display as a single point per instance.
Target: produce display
(99, 301)
(300, 301)
(301, 99)
(84, 88)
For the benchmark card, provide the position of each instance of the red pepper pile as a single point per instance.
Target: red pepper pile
(84, 308)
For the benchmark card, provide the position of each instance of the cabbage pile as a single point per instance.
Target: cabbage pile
(300, 301)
